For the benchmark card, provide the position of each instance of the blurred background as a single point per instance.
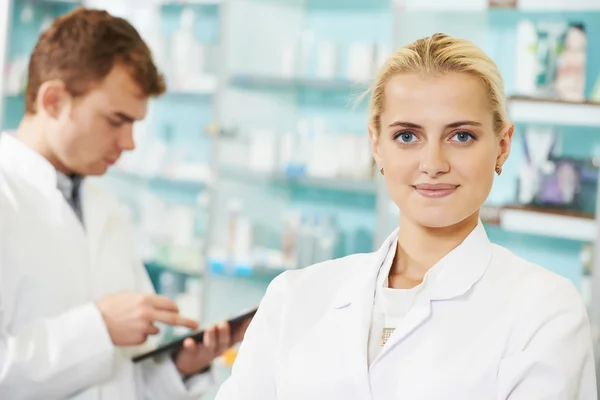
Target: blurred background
(257, 159)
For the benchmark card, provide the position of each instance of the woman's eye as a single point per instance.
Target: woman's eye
(406, 137)
(462, 137)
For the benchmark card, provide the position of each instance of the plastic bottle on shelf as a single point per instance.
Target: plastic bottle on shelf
(327, 59)
(46, 22)
(168, 286)
(306, 241)
(234, 208)
(322, 161)
(27, 13)
(201, 220)
(526, 58)
(300, 150)
(187, 56)
(189, 303)
(586, 257)
(306, 48)
(326, 240)
(289, 240)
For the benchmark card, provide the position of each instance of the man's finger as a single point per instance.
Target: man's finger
(174, 319)
(151, 329)
(210, 339)
(162, 303)
(224, 337)
(189, 344)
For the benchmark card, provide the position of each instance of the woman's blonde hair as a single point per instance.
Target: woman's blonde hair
(435, 55)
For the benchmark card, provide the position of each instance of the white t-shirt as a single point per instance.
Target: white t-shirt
(390, 306)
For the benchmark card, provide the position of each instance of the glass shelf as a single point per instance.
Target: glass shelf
(274, 82)
(348, 185)
(348, 4)
(175, 281)
(258, 273)
(158, 266)
(554, 112)
(183, 3)
(541, 221)
(60, 2)
(159, 181)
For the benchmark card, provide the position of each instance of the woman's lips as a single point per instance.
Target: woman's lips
(435, 191)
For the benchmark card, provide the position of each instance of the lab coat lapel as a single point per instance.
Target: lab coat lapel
(352, 313)
(96, 212)
(460, 270)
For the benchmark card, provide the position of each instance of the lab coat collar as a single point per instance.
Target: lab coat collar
(20, 159)
(456, 272)
(365, 277)
(462, 267)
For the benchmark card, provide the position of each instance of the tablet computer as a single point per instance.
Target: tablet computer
(174, 346)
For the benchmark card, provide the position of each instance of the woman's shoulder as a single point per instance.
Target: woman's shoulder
(321, 279)
(329, 270)
(529, 281)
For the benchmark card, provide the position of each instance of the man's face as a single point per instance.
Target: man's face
(92, 131)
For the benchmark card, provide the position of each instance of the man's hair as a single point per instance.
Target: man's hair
(80, 49)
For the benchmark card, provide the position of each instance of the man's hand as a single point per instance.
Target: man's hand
(130, 317)
(195, 357)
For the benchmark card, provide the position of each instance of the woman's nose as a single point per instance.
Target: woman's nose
(433, 160)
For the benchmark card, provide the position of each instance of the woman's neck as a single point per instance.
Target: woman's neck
(420, 248)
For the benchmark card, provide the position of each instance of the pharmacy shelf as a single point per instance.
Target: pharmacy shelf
(205, 85)
(553, 112)
(542, 222)
(356, 186)
(59, 2)
(189, 2)
(158, 266)
(257, 273)
(189, 95)
(347, 4)
(442, 6)
(273, 82)
(470, 6)
(158, 181)
(558, 5)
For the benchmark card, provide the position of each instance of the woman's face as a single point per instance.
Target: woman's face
(438, 147)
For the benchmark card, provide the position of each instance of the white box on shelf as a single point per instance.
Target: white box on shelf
(444, 5)
(558, 5)
(548, 112)
(547, 224)
(186, 2)
(361, 61)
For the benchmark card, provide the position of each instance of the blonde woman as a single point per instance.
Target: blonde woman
(438, 312)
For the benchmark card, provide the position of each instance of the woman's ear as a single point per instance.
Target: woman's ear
(374, 138)
(504, 144)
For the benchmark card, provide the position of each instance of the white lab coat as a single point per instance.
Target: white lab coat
(492, 326)
(53, 341)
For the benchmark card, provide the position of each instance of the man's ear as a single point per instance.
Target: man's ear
(52, 98)
(505, 144)
(374, 137)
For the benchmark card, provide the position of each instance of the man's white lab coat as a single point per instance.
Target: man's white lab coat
(53, 340)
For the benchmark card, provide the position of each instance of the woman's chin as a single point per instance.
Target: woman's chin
(437, 219)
